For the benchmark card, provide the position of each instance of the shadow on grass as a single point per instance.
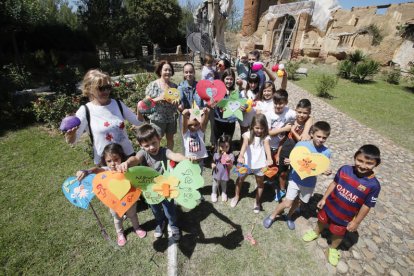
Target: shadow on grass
(409, 89)
(194, 233)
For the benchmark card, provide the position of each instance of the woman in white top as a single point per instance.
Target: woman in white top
(106, 116)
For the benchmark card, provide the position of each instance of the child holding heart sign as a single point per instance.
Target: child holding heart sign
(302, 179)
(348, 199)
(112, 156)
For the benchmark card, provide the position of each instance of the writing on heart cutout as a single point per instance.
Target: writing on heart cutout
(307, 163)
(211, 90)
(105, 187)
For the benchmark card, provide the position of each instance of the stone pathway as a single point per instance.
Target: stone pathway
(386, 236)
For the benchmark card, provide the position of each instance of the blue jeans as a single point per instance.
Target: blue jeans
(168, 212)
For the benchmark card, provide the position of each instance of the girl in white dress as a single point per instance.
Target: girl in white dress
(255, 153)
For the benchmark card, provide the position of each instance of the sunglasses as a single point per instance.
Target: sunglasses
(105, 87)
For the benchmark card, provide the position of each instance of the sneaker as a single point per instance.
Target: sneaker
(267, 222)
(121, 239)
(279, 195)
(333, 256)
(174, 233)
(234, 202)
(290, 223)
(141, 233)
(159, 230)
(310, 236)
(224, 197)
(213, 197)
(256, 208)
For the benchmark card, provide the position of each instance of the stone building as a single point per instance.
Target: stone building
(286, 30)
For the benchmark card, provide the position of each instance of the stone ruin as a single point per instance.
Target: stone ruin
(284, 30)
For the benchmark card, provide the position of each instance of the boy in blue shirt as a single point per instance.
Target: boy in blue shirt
(303, 187)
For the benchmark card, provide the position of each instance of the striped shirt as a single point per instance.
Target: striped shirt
(350, 193)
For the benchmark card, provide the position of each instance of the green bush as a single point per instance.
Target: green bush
(392, 76)
(63, 79)
(356, 56)
(345, 69)
(291, 68)
(367, 68)
(52, 110)
(132, 91)
(376, 34)
(325, 84)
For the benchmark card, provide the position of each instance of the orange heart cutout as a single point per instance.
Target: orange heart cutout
(307, 163)
(119, 187)
(102, 189)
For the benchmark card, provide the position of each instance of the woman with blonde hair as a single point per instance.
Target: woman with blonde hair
(102, 117)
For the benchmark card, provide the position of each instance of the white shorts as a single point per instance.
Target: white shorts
(294, 190)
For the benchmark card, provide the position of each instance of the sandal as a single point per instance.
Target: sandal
(121, 239)
(333, 256)
(310, 236)
(234, 202)
(141, 233)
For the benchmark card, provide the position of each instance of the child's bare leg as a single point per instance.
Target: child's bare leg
(282, 180)
(295, 205)
(336, 241)
(239, 183)
(281, 207)
(259, 192)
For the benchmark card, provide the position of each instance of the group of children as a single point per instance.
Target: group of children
(269, 132)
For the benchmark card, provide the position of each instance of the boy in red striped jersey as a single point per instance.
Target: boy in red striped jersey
(348, 199)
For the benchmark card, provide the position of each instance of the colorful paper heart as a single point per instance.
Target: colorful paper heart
(119, 187)
(208, 90)
(79, 193)
(101, 188)
(307, 163)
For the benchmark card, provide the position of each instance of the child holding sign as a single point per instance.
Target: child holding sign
(303, 187)
(113, 155)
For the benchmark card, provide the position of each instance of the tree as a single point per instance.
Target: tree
(234, 19)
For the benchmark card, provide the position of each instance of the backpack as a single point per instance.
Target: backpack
(88, 117)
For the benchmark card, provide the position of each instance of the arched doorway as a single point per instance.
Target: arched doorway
(282, 37)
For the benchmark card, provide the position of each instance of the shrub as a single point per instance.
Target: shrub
(291, 67)
(365, 69)
(392, 76)
(52, 110)
(63, 79)
(345, 69)
(356, 56)
(325, 84)
(376, 34)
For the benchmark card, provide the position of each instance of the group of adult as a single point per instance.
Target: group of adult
(103, 117)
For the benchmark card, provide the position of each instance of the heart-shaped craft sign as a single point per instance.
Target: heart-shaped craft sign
(307, 163)
(119, 187)
(79, 193)
(103, 187)
(208, 90)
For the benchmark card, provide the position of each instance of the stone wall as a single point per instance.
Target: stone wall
(345, 33)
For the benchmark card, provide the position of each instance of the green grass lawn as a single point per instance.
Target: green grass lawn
(42, 233)
(385, 107)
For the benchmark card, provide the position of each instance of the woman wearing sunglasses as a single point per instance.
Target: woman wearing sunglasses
(105, 124)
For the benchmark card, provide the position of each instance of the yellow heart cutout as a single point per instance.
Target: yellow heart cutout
(119, 187)
(307, 163)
